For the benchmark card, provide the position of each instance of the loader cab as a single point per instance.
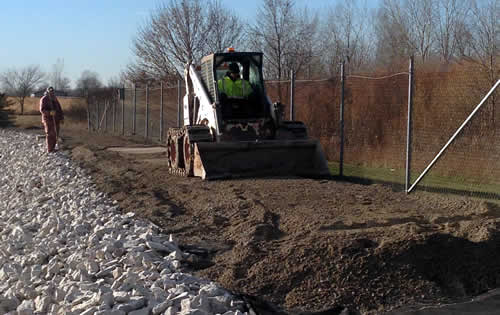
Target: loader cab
(251, 102)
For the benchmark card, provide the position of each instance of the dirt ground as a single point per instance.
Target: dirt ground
(300, 245)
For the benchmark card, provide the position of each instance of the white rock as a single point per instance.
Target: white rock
(160, 308)
(42, 304)
(175, 255)
(106, 298)
(142, 311)
(117, 272)
(110, 312)
(92, 267)
(170, 311)
(159, 247)
(65, 248)
(89, 311)
(54, 309)
(7, 305)
(134, 304)
(121, 297)
(211, 289)
(27, 307)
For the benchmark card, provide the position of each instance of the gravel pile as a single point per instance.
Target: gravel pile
(65, 248)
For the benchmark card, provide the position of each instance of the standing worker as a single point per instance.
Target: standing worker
(52, 117)
(232, 85)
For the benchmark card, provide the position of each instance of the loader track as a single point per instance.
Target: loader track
(180, 148)
(174, 152)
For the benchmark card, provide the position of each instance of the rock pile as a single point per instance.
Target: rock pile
(66, 249)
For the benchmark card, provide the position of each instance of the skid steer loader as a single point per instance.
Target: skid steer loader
(225, 136)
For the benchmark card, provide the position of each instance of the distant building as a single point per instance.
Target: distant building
(40, 93)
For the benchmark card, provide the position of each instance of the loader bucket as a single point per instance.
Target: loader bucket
(214, 160)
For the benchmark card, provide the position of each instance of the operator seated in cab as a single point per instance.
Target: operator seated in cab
(233, 86)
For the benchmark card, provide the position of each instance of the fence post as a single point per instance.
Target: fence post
(114, 112)
(341, 153)
(292, 94)
(161, 111)
(88, 109)
(98, 115)
(123, 109)
(135, 110)
(147, 110)
(409, 126)
(179, 104)
(106, 116)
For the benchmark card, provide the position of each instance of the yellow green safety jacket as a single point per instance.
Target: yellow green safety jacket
(234, 89)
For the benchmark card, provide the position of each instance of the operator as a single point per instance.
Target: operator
(232, 85)
(52, 117)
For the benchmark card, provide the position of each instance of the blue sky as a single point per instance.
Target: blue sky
(91, 35)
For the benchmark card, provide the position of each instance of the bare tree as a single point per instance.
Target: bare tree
(486, 35)
(57, 78)
(422, 19)
(485, 29)
(451, 18)
(272, 34)
(286, 37)
(391, 35)
(115, 82)
(226, 29)
(175, 34)
(88, 81)
(408, 26)
(21, 83)
(304, 45)
(463, 38)
(347, 33)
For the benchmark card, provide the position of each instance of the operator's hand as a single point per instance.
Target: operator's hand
(52, 112)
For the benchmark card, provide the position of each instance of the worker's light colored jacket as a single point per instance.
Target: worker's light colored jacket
(234, 89)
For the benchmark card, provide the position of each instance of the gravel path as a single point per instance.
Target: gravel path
(65, 248)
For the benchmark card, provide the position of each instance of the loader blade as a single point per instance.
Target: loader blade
(260, 158)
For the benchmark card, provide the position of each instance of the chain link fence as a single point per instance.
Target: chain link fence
(362, 124)
(444, 101)
(140, 111)
(375, 126)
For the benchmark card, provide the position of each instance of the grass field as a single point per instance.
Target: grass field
(431, 182)
(74, 107)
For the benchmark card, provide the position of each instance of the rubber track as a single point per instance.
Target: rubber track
(176, 134)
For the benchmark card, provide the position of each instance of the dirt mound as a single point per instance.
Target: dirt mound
(82, 153)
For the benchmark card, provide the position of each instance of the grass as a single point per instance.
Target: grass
(431, 182)
(75, 108)
(31, 105)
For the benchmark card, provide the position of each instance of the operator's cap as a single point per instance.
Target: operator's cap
(50, 89)
(233, 68)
